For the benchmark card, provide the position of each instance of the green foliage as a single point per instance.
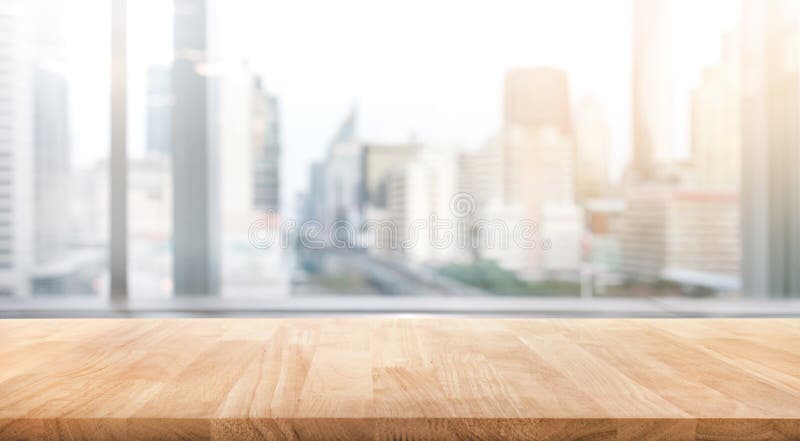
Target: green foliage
(487, 275)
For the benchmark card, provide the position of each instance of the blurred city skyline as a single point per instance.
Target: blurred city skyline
(650, 143)
(441, 87)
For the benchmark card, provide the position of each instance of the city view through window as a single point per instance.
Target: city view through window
(289, 150)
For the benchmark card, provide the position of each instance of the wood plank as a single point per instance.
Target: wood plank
(399, 378)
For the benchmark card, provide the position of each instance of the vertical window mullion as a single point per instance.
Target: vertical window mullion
(118, 171)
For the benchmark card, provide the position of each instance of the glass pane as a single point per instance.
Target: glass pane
(516, 148)
(150, 104)
(54, 112)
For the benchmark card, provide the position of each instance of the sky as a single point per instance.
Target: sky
(432, 68)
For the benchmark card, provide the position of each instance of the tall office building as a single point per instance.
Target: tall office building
(381, 166)
(343, 176)
(537, 97)
(653, 117)
(16, 145)
(482, 176)
(34, 149)
(315, 204)
(237, 127)
(51, 167)
(546, 158)
(771, 148)
(194, 159)
(593, 145)
(379, 160)
(539, 163)
(267, 149)
(544, 187)
(481, 173)
(682, 236)
(249, 144)
(418, 198)
(51, 139)
(247, 128)
(716, 121)
(159, 110)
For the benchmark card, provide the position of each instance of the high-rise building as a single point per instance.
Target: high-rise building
(267, 149)
(247, 130)
(593, 145)
(546, 158)
(16, 145)
(716, 121)
(194, 159)
(653, 117)
(539, 167)
(544, 186)
(686, 237)
(34, 150)
(315, 203)
(159, 110)
(537, 97)
(771, 148)
(482, 176)
(419, 196)
(536, 100)
(482, 173)
(51, 167)
(249, 156)
(378, 161)
(343, 176)
(51, 138)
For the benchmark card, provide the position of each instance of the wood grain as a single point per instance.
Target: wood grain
(399, 379)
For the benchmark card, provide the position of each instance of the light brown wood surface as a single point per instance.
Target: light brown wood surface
(399, 379)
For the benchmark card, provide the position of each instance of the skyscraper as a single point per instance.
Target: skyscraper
(545, 188)
(316, 192)
(16, 133)
(246, 126)
(51, 167)
(194, 159)
(34, 148)
(51, 138)
(378, 162)
(771, 148)
(716, 121)
(237, 131)
(537, 97)
(418, 198)
(683, 236)
(267, 149)
(653, 125)
(481, 173)
(539, 164)
(482, 176)
(249, 149)
(593, 144)
(343, 175)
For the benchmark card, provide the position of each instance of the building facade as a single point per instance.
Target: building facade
(653, 111)
(195, 158)
(688, 237)
(771, 148)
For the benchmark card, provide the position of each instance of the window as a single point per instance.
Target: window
(54, 90)
(342, 153)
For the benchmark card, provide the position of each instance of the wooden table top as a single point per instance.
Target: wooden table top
(399, 379)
